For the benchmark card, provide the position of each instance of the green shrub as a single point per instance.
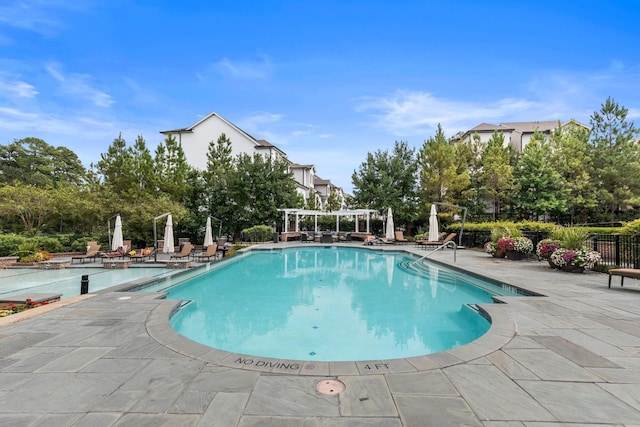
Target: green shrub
(80, 245)
(632, 227)
(9, 244)
(259, 233)
(49, 244)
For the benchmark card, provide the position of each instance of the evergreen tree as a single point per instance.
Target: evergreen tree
(116, 167)
(443, 175)
(171, 169)
(571, 158)
(541, 189)
(388, 180)
(498, 182)
(142, 167)
(616, 157)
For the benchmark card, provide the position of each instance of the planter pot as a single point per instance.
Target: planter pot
(552, 264)
(514, 255)
(573, 269)
(499, 254)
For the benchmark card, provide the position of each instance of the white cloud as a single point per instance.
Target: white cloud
(419, 113)
(12, 88)
(246, 70)
(79, 86)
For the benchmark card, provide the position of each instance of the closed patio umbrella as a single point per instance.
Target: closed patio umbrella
(389, 234)
(168, 236)
(117, 241)
(433, 224)
(208, 238)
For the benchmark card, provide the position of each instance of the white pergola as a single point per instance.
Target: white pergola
(355, 213)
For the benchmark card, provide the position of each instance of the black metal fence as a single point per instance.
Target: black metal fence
(616, 249)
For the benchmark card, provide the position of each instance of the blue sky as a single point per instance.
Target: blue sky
(325, 81)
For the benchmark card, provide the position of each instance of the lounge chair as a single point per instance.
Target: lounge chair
(93, 249)
(425, 243)
(400, 237)
(212, 251)
(142, 254)
(372, 240)
(184, 252)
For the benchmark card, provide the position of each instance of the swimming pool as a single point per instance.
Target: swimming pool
(66, 281)
(328, 303)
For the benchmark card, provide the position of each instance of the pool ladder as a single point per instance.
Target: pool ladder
(449, 243)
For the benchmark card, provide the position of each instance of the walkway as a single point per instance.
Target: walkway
(113, 360)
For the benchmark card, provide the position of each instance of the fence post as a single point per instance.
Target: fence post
(636, 252)
(617, 239)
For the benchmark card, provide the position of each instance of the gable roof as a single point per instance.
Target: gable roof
(204, 119)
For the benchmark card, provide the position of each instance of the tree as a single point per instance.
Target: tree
(541, 189)
(469, 156)
(443, 177)
(220, 165)
(571, 158)
(616, 157)
(334, 201)
(142, 167)
(497, 180)
(171, 168)
(33, 161)
(116, 167)
(258, 187)
(388, 180)
(31, 204)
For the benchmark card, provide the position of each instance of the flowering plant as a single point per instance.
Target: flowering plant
(546, 247)
(506, 243)
(519, 244)
(582, 257)
(491, 247)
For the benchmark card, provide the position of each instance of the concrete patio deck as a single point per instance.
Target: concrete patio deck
(571, 357)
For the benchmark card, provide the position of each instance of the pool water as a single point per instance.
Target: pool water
(66, 281)
(330, 304)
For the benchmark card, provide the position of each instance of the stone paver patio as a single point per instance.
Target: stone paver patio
(571, 357)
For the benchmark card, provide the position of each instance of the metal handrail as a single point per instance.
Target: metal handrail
(450, 242)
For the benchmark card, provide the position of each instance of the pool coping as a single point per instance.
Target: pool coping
(500, 333)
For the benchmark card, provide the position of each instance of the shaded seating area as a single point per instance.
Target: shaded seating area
(185, 251)
(93, 250)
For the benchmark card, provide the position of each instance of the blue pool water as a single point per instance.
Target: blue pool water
(66, 281)
(330, 304)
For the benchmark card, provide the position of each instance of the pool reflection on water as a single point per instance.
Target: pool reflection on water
(330, 304)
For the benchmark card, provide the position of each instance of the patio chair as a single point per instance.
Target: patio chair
(212, 251)
(93, 249)
(306, 238)
(222, 246)
(143, 254)
(447, 239)
(184, 252)
(400, 237)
